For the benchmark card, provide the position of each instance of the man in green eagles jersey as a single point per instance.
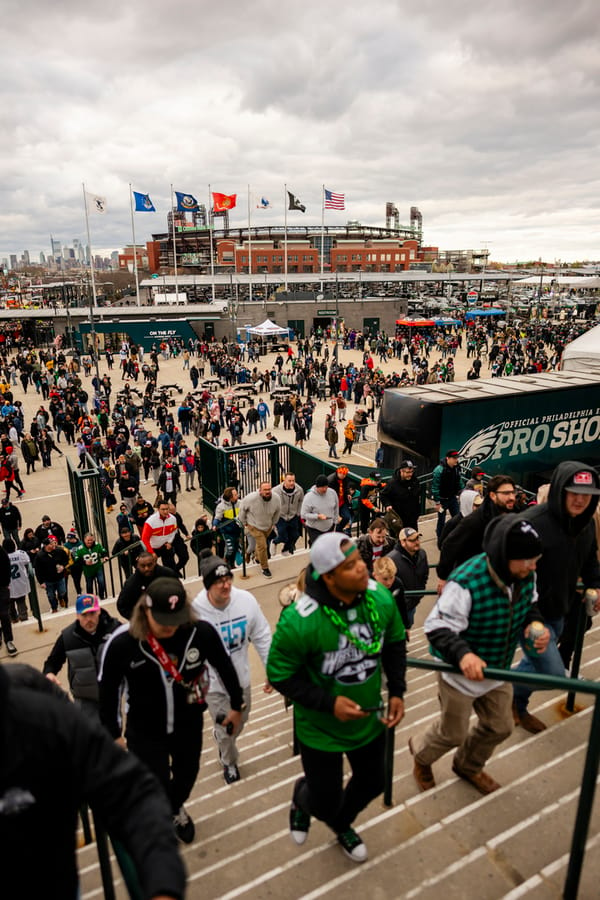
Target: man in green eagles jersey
(327, 656)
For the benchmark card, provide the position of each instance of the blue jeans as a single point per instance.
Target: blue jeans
(548, 663)
(451, 506)
(346, 519)
(288, 532)
(56, 590)
(101, 582)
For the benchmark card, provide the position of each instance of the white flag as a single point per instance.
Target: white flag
(96, 203)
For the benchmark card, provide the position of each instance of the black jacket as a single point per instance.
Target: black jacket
(413, 572)
(10, 517)
(343, 488)
(80, 650)
(570, 549)
(405, 499)
(157, 704)
(135, 586)
(466, 538)
(42, 532)
(45, 565)
(52, 760)
(365, 548)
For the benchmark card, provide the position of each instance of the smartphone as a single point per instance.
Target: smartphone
(379, 708)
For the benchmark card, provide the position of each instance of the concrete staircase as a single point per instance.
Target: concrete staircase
(450, 841)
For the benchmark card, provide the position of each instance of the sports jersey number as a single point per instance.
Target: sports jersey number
(14, 571)
(233, 634)
(306, 605)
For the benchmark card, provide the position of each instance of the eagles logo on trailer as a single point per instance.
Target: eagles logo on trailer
(479, 447)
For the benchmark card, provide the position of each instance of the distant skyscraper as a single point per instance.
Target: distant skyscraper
(79, 250)
(42, 258)
(13, 260)
(56, 248)
(26, 258)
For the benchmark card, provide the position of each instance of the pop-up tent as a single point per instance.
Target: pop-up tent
(492, 311)
(583, 354)
(266, 329)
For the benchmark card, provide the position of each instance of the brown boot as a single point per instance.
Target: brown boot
(531, 723)
(423, 774)
(484, 783)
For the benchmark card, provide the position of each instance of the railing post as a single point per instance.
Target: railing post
(104, 860)
(34, 601)
(584, 807)
(244, 574)
(390, 734)
(578, 649)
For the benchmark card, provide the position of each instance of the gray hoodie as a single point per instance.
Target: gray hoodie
(258, 512)
(315, 503)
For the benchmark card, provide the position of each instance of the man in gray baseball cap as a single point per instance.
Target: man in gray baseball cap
(327, 655)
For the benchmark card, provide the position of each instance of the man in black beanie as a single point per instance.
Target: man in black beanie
(486, 606)
(237, 617)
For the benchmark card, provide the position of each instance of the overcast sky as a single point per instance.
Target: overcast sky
(484, 115)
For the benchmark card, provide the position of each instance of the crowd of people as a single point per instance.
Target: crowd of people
(501, 569)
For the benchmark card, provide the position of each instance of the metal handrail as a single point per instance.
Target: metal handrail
(592, 759)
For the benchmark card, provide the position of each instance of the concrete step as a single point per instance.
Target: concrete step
(449, 839)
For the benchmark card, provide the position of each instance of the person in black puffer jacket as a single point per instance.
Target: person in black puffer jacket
(52, 761)
(568, 537)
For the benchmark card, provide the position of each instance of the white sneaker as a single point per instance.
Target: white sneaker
(353, 845)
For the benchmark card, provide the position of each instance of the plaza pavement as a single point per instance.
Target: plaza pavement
(47, 493)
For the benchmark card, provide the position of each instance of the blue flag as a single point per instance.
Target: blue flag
(185, 202)
(143, 203)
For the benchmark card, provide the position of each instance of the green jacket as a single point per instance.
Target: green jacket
(312, 662)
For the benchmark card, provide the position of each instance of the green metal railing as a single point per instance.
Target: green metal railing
(592, 759)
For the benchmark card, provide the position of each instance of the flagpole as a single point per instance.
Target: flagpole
(322, 233)
(210, 232)
(285, 261)
(93, 298)
(249, 251)
(135, 265)
(174, 249)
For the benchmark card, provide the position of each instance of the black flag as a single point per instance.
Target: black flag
(295, 203)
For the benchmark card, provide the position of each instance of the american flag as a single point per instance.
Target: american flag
(334, 200)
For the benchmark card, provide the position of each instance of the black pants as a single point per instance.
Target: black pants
(321, 793)
(314, 534)
(6, 631)
(174, 759)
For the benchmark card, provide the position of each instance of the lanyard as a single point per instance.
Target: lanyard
(194, 689)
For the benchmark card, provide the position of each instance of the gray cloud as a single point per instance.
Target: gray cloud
(484, 115)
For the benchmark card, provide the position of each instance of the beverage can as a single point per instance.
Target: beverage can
(591, 598)
(536, 630)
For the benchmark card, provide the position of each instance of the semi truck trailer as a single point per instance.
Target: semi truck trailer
(521, 426)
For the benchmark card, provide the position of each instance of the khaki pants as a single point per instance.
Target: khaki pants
(494, 724)
(261, 545)
(218, 704)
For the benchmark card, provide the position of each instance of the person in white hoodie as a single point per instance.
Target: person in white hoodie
(237, 617)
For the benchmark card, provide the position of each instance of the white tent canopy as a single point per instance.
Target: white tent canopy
(583, 282)
(583, 354)
(266, 328)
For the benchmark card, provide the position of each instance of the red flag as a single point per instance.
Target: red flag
(222, 202)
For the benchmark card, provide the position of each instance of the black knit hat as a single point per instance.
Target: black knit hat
(212, 568)
(523, 542)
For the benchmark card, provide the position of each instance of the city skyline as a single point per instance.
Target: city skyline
(485, 117)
